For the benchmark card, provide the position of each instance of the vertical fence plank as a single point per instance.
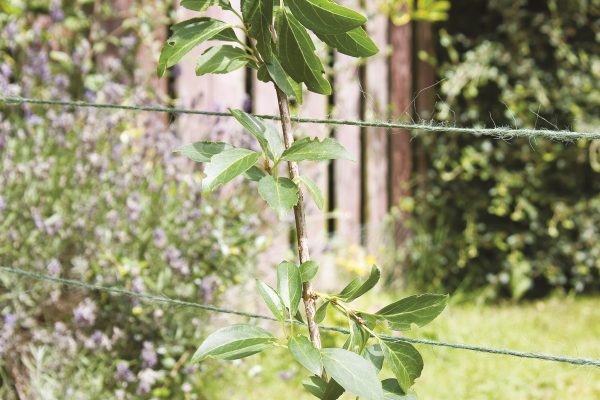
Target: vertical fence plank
(315, 105)
(401, 86)
(147, 59)
(208, 92)
(264, 99)
(347, 179)
(376, 139)
(425, 89)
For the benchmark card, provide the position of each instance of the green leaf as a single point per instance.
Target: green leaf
(298, 316)
(374, 354)
(258, 16)
(306, 354)
(255, 126)
(419, 309)
(358, 338)
(393, 391)
(202, 151)
(197, 5)
(313, 189)
(276, 146)
(278, 75)
(281, 194)
(234, 342)
(186, 36)
(370, 320)
(316, 150)
(350, 288)
(227, 35)
(315, 386)
(268, 137)
(404, 360)
(353, 373)
(296, 52)
(289, 285)
(355, 43)
(255, 174)
(221, 60)
(325, 16)
(227, 165)
(272, 300)
(202, 5)
(321, 313)
(308, 270)
(354, 289)
(333, 390)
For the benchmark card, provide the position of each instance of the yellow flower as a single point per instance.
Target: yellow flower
(371, 260)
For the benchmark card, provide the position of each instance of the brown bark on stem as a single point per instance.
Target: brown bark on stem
(303, 253)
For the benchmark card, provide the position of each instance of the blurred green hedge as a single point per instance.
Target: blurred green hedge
(513, 218)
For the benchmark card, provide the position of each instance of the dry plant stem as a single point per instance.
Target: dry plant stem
(303, 254)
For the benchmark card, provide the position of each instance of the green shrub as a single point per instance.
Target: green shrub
(512, 218)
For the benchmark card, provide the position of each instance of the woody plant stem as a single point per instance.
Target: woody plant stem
(303, 254)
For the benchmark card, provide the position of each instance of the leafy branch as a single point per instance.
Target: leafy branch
(282, 51)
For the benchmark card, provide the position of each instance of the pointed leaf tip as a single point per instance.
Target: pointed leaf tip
(234, 342)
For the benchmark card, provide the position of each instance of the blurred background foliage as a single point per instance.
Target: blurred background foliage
(99, 196)
(517, 218)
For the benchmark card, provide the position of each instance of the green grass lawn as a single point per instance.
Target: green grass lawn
(559, 326)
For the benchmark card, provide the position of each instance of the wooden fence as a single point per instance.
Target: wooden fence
(359, 195)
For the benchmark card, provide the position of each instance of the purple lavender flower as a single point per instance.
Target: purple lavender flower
(175, 261)
(54, 267)
(85, 313)
(98, 341)
(34, 120)
(160, 238)
(89, 95)
(287, 375)
(10, 320)
(57, 14)
(208, 286)
(148, 378)
(190, 369)
(61, 81)
(137, 285)
(2, 204)
(128, 41)
(38, 220)
(149, 358)
(11, 29)
(133, 205)
(123, 373)
(5, 70)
